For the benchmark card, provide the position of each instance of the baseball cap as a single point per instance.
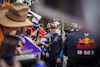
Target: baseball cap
(53, 25)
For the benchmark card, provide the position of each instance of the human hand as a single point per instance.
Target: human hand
(58, 60)
(43, 53)
(45, 45)
(47, 55)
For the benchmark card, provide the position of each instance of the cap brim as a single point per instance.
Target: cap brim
(10, 23)
(52, 27)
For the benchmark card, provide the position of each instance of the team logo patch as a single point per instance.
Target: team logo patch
(86, 40)
(56, 38)
(86, 46)
(86, 34)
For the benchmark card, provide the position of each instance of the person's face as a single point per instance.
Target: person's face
(48, 25)
(9, 29)
(25, 29)
(53, 29)
(63, 33)
(34, 34)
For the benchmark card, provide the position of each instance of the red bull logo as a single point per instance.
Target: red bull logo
(88, 45)
(86, 40)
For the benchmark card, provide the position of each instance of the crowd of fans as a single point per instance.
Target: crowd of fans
(13, 23)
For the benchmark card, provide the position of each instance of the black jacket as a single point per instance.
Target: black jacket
(56, 47)
(82, 49)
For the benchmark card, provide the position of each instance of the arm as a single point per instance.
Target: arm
(65, 46)
(61, 52)
(46, 36)
(47, 47)
(61, 44)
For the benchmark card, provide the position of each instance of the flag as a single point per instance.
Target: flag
(36, 18)
(21, 42)
(30, 45)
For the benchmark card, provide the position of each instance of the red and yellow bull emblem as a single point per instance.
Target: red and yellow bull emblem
(86, 46)
(86, 40)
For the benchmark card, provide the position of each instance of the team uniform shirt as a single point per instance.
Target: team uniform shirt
(56, 47)
(81, 48)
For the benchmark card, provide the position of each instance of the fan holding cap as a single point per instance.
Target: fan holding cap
(13, 17)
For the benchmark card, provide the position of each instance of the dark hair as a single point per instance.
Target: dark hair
(21, 31)
(8, 47)
(50, 22)
(28, 31)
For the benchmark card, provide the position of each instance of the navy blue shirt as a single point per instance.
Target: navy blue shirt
(56, 47)
(81, 48)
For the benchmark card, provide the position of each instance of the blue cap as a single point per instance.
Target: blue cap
(53, 25)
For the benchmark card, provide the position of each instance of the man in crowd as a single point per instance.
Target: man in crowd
(12, 18)
(48, 26)
(55, 48)
(45, 54)
(82, 49)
